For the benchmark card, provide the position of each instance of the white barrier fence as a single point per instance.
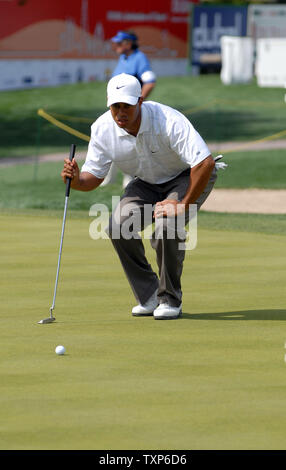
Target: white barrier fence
(270, 67)
(17, 74)
(237, 59)
(242, 58)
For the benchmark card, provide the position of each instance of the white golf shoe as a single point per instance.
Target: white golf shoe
(167, 312)
(146, 309)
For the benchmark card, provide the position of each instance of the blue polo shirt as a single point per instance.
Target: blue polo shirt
(135, 64)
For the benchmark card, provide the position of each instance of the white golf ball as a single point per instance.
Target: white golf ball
(60, 350)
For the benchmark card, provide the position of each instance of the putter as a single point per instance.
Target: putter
(51, 318)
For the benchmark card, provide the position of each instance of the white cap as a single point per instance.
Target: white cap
(123, 88)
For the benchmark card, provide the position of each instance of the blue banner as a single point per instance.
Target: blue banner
(209, 24)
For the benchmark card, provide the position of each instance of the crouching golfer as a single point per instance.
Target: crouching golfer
(172, 168)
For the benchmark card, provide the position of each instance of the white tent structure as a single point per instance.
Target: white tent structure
(237, 59)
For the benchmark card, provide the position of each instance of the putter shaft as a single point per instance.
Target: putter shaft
(68, 183)
(60, 256)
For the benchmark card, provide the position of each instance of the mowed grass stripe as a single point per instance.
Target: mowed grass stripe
(214, 379)
(40, 186)
(211, 106)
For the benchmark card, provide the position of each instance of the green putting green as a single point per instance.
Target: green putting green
(214, 379)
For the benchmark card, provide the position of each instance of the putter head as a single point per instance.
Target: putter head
(50, 319)
(47, 320)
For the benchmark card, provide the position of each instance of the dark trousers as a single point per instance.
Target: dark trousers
(143, 280)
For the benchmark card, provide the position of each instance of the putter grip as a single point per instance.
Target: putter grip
(68, 183)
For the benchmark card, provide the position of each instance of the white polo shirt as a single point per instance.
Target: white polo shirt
(165, 145)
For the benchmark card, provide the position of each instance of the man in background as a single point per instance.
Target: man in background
(133, 61)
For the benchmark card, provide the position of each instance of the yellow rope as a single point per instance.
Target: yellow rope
(85, 137)
(59, 124)
(241, 147)
(71, 118)
(232, 102)
(198, 108)
(264, 139)
(253, 103)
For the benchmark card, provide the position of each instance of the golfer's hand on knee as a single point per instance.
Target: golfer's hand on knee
(70, 170)
(169, 208)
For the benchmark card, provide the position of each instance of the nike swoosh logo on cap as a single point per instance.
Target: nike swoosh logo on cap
(117, 88)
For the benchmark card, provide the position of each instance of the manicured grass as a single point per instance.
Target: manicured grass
(40, 186)
(214, 379)
(25, 132)
(219, 112)
(257, 223)
(254, 169)
(271, 224)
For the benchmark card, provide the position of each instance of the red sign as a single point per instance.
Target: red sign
(82, 29)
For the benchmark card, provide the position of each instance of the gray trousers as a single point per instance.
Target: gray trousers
(142, 279)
